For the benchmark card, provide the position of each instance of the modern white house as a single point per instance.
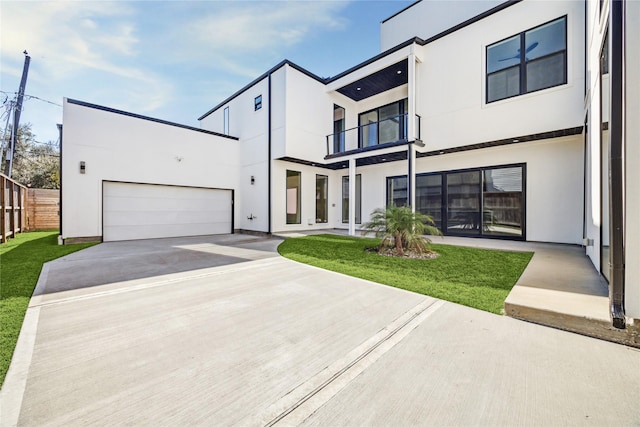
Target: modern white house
(506, 120)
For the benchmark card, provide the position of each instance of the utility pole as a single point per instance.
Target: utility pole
(16, 116)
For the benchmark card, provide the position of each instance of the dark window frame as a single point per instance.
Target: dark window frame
(444, 197)
(298, 197)
(257, 103)
(339, 136)
(402, 128)
(326, 204)
(522, 66)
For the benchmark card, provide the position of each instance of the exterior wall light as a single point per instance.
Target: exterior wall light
(253, 180)
(83, 168)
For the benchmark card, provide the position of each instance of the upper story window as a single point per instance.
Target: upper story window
(225, 125)
(257, 103)
(384, 124)
(532, 60)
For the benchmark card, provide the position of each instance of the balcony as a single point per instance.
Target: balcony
(374, 135)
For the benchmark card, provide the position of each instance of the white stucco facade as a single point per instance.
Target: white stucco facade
(434, 72)
(121, 148)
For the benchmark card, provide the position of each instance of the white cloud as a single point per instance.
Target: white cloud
(264, 25)
(141, 56)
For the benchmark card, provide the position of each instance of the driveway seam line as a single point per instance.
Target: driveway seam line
(433, 306)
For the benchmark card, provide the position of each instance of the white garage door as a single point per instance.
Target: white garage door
(143, 211)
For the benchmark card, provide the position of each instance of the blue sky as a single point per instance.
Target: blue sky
(173, 60)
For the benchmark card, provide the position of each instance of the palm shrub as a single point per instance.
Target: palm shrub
(402, 229)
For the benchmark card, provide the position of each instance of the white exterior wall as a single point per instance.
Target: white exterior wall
(428, 18)
(553, 183)
(309, 117)
(593, 217)
(116, 147)
(251, 128)
(632, 159)
(451, 81)
(308, 197)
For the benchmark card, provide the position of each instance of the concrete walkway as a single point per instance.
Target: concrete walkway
(255, 339)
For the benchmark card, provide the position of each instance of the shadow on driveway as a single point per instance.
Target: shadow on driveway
(115, 262)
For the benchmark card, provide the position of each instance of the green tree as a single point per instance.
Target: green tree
(402, 229)
(35, 164)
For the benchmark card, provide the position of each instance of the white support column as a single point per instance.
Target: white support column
(352, 197)
(411, 114)
(411, 130)
(411, 159)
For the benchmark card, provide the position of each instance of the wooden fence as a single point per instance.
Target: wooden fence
(13, 198)
(43, 209)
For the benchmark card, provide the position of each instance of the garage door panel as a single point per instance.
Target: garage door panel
(144, 211)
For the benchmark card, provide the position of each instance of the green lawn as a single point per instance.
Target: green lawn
(478, 278)
(21, 260)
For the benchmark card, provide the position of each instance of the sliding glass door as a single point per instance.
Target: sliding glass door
(488, 202)
(463, 203)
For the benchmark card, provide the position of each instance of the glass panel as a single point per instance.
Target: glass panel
(503, 54)
(503, 84)
(429, 196)
(389, 122)
(225, 124)
(293, 197)
(397, 191)
(322, 208)
(502, 202)
(369, 129)
(345, 199)
(546, 72)
(463, 203)
(545, 40)
(338, 129)
(358, 199)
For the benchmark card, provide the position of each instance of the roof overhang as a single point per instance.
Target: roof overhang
(379, 74)
(381, 81)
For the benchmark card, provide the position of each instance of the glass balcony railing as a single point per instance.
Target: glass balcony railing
(386, 131)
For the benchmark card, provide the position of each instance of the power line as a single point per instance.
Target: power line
(32, 97)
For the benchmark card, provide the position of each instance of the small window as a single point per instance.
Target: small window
(226, 121)
(257, 103)
(293, 197)
(532, 60)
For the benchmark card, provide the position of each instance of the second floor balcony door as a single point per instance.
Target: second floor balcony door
(383, 125)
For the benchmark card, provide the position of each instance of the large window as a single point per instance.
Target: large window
(345, 199)
(322, 208)
(474, 202)
(383, 124)
(532, 60)
(293, 197)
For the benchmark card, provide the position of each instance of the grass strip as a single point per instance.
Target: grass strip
(21, 261)
(478, 278)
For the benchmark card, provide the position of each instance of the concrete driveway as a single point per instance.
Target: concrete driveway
(223, 331)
